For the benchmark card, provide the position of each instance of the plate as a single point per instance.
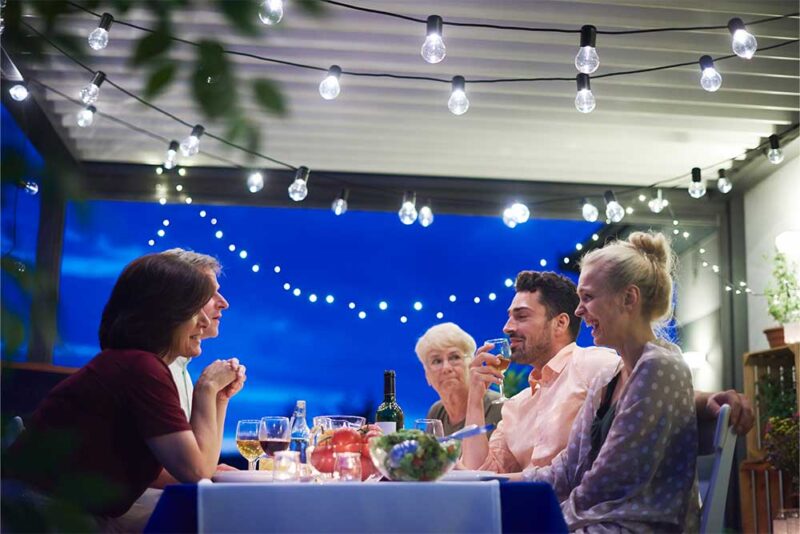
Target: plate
(242, 476)
(472, 476)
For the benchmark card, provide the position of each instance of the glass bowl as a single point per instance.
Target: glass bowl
(413, 456)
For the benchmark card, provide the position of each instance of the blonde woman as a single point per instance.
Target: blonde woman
(630, 462)
(445, 352)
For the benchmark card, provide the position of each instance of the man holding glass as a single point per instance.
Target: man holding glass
(536, 422)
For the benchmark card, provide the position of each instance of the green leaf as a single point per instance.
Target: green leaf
(213, 85)
(152, 46)
(242, 14)
(249, 133)
(269, 96)
(159, 79)
(312, 7)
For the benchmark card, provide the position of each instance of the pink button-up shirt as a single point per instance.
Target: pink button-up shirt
(537, 421)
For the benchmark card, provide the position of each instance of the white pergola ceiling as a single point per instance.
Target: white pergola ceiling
(646, 127)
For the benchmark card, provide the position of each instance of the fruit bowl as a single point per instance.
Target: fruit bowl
(413, 456)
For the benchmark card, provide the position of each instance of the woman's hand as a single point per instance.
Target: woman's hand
(238, 383)
(218, 375)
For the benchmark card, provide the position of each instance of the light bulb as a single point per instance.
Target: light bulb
(614, 210)
(182, 171)
(723, 184)
(191, 144)
(508, 218)
(18, 92)
(90, 93)
(171, 158)
(697, 188)
(658, 202)
(271, 12)
(584, 100)
(744, 44)
(86, 116)
(30, 187)
(299, 188)
(98, 39)
(339, 206)
(520, 212)
(329, 87)
(408, 210)
(775, 154)
(433, 49)
(589, 211)
(425, 216)
(255, 182)
(587, 60)
(710, 79)
(458, 103)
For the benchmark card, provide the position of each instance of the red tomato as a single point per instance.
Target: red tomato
(347, 440)
(322, 459)
(367, 468)
(372, 434)
(365, 451)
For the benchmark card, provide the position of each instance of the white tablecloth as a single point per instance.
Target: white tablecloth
(376, 507)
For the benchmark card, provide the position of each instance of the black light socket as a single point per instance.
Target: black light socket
(198, 130)
(588, 35)
(696, 176)
(302, 173)
(609, 197)
(706, 62)
(335, 71)
(735, 24)
(458, 83)
(98, 78)
(435, 25)
(774, 141)
(105, 21)
(583, 81)
(173, 145)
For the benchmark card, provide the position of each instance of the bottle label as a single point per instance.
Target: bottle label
(387, 426)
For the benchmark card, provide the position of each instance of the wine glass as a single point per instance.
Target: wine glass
(247, 441)
(273, 434)
(430, 426)
(502, 350)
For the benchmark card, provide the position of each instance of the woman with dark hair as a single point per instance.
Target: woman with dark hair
(116, 422)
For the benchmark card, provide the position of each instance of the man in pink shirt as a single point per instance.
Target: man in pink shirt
(536, 423)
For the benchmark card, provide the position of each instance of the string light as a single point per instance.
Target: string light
(271, 12)
(329, 87)
(182, 171)
(658, 202)
(774, 154)
(18, 92)
(171, 159)
(508, 218)
(30, 187)
(255, 182)
(520, 212)
(584, 100)
(98, 38)
(744, 44)
(433, 49)
(587, 60)
(425, 216)
(339, 206)
(299, 188)
(614, 210)
(458, 104)
(159, 171)
(710, 79)
(697, 188)
(588, 210)
(89, 94)
(723, 184)
(191, 144)
(85, 117)
(408, 210)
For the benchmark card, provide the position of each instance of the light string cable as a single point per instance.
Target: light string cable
(449, 80)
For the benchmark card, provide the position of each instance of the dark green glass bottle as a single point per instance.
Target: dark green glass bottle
(389, 415)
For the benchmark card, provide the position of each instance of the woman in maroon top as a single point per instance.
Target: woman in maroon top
(103, 435)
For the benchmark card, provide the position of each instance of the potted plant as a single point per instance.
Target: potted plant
(783, 301)
(777, 400)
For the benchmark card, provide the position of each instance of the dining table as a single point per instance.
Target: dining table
(442, 506)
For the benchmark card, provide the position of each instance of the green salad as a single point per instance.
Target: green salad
(419, 457)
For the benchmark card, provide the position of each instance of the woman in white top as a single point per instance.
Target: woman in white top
(630, 462)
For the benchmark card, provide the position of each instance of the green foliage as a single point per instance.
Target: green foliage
(151, 46)
(269, 95)
(776, 397)
(242, 14)
(783, 446)
(783, 298)
(515, 379)
(159, 79)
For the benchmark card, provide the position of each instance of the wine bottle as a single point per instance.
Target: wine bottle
(389, 415)
(301, 435)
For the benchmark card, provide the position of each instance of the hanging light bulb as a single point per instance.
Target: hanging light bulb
(18, 92)
(85, 116)
(508, 218)
(255, 182)
(723, 184)
(433, 49)
(520, 212)
(425, 216)
(329, 87)
(744, 44)
(408, 211)
(658, 202)
(339, 206)
(584, 100)
(29, 186)
(171, 158)
(697, 188)
(90, 93)
(458, 103)
(271, 12)
(588, 210)
(614, 210)
(774, 154)
(587, 60)
(98, 39)
(710, 79)
(191, 145)
(299, 188)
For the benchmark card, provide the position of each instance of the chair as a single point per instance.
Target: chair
(14, 428)
(713, 502)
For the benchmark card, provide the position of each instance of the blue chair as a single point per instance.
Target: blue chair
(712, 511)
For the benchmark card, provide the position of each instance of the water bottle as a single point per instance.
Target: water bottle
(300, 432)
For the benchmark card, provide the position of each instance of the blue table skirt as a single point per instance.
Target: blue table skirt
(525, 507)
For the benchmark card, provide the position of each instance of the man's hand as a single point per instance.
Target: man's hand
(483, 371)
(741, 415)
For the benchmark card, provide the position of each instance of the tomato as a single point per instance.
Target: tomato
(347, 440)
(322, 459)
(365, 451)
(367, 468)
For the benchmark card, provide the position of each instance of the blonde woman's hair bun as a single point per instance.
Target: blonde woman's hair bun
(655, 246)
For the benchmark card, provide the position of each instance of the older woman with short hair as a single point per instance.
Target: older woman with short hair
(445, 351)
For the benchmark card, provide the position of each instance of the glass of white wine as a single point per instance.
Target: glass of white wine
(247, 441)
(502, 350)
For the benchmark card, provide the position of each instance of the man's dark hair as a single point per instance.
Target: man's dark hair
(556, 293)
(153, 295)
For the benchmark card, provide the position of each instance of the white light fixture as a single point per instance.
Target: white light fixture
(182, 171)
(508, 218)
(588, 210)
(30, 187)
(458, 104)
(697, 188)
(339, 206)
(710, 79)
(255, 182)
(433, 49)
(299, 188)
(98, 38)
(425, 216)
(329, 87)
(18, 92)
(418, 305)
(509, 282)
(171, 158)
(520, 212)
(191, 144)
(85, 117)
(452, 298)
(584, 99)
(270, 12)
(408, 210)
(658, 202)
(383, 305)
(743, 43)
(723, 184)
(614, 210)
(775, 154)
(587, 60)
(91, 92)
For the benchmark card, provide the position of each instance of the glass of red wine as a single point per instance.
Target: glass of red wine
(274, 434)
